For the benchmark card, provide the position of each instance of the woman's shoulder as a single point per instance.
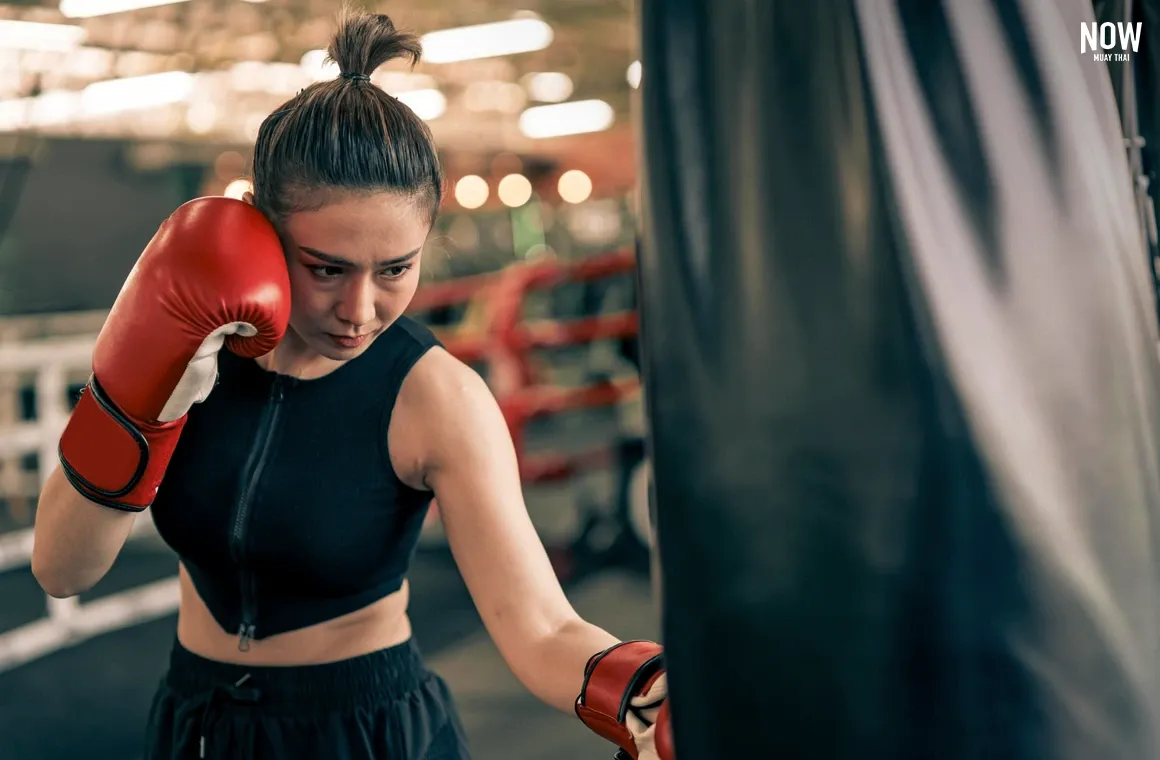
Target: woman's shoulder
(442, 405)
(441, 388)
(439, 378)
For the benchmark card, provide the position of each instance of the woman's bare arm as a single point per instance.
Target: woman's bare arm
(470, 464)
(75, 541)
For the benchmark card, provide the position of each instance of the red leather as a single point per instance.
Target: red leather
(114, 463)
(612, 678)
(212, 262)
(664, 733)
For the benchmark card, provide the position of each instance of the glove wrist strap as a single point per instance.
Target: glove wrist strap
(112, 459)
(611, 679)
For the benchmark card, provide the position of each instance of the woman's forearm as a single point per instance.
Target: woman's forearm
(554, 668)
(74, 541)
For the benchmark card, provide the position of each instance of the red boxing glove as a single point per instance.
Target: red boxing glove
(623, 699)
(664, 732)
(213, 274)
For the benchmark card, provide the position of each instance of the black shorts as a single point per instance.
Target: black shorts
(377, 706)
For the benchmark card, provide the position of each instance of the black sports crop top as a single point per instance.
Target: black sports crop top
(280, 498)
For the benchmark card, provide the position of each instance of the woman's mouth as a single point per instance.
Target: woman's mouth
(348, 341)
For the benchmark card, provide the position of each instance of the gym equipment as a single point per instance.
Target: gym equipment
(900, 366)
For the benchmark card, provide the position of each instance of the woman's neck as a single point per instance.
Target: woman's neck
(293, 358)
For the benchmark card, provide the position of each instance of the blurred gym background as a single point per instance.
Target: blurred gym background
(114, 112)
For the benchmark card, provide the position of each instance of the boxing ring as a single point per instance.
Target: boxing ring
(495, 337)
(498, 337)
(901, 376)
(67, 621)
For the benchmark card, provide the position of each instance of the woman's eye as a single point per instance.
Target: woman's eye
(393, 273)
(326, 272)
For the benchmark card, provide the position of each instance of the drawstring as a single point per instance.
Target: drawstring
(230, 692)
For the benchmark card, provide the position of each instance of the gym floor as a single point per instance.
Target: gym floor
(90, 701)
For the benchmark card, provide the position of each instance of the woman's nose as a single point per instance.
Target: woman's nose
(357, 306)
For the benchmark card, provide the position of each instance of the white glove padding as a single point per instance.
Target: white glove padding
(642, 715)
(201, 373)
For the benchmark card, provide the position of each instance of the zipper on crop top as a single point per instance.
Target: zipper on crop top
(251, 475)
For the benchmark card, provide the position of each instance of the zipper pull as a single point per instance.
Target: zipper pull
(245, 636)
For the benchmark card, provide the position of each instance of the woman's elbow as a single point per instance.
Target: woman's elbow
(56, 581)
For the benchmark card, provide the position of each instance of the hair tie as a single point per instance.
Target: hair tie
(354, 76)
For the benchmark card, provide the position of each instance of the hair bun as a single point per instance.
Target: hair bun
(364, 41)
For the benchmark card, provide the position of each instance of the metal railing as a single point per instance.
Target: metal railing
(67, 621)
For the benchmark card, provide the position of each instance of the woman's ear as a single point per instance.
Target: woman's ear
(248, 197)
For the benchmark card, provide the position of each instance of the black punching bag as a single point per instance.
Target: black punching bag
(901, 372)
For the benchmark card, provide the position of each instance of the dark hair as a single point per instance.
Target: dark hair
(346, 133)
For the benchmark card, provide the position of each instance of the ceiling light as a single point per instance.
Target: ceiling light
(467, 43)
(316, 64)
(132, 93)
(263, 76)
(577, 117)
(471, 191)
(14, 114)
(55, 108)
(549, 86)
(574, 186)
(514, 190)
(33, 35)
(427, 104)
(91, 8)
(633, 74)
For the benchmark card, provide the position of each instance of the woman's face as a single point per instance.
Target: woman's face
(354, 266)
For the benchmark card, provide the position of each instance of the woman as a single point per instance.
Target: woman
(293, 483)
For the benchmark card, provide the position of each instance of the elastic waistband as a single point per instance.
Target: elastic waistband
(386, 674)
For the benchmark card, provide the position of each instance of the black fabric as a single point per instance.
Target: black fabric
(901, 380)
(327, 526)
(381, 706)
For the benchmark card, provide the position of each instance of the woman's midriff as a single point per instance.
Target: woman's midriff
(377, 626)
